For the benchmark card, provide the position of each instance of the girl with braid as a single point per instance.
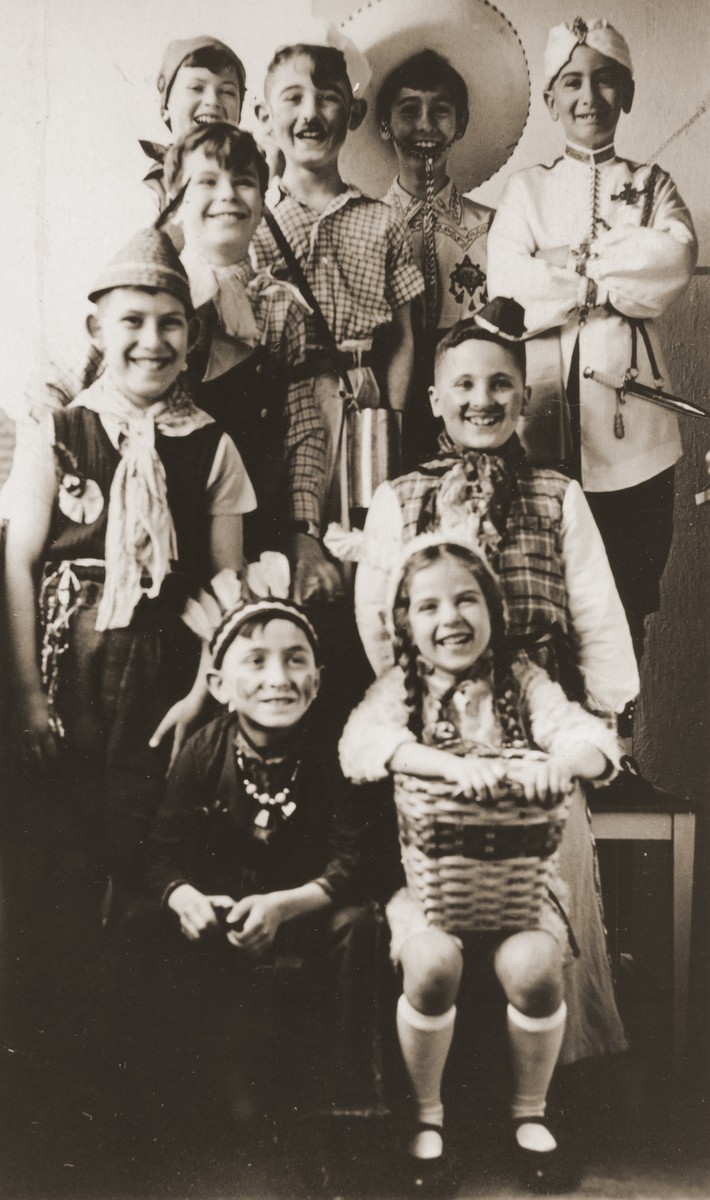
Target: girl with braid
(538, 533)
(456, 695)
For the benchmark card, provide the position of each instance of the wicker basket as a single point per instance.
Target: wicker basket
(478, 866)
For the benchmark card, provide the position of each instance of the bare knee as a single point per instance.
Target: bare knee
(431, 963)
(529, 969)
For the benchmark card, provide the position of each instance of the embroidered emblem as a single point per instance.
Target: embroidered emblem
(79, 498)
(629, 194)
(466, 279)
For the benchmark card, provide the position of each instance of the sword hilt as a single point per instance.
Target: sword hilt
(615, 382)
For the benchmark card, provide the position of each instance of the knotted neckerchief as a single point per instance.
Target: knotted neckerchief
(242, 299)
(228, 289)
(476, 490)
(140, 534)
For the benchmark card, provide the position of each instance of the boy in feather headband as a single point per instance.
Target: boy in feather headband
(257, 849)
(126, 499)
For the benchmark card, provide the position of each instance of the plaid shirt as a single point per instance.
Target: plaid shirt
(281, 323)
(356, 255)
(531, 567)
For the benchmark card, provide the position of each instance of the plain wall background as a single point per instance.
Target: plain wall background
(78, 90)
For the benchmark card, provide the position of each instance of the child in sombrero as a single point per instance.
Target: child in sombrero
(449, 103)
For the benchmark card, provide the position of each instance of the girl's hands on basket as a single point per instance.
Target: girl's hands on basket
(544, 781)
(477, 778)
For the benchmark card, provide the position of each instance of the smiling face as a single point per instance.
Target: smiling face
(269, 678)
(144, 337)
(588, 97)
(448, 617)
(199, 96)
(221, 209)
(308, 121)
(479, 393)
(423, 124)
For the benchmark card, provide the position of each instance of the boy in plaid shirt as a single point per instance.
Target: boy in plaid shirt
(355, 251)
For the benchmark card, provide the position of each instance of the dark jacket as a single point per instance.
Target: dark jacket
(203, 831)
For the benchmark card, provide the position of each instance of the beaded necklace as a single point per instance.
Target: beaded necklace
(273, 810)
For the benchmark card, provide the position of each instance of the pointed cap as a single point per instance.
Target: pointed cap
(149, 260)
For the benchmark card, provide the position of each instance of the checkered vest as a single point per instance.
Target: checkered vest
(531, 564)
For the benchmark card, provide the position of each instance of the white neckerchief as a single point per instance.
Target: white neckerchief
(227, 288)
(140, 534)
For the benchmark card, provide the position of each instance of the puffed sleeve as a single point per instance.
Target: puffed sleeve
(375, 729)
(644, 268)
(606, 653)
(229, 488)
(381, 544)
(549, 294)
(557, 724)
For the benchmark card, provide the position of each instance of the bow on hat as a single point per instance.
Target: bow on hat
(563, 40)
(263, 588)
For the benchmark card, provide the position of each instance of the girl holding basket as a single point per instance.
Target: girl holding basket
(455, 720)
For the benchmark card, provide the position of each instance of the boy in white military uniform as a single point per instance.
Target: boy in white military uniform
(595, 247)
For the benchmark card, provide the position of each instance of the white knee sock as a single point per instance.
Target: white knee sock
(535, 1046)
(425, 1043)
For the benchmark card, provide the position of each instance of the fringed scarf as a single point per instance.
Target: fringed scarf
(476, 491)
(140, 534)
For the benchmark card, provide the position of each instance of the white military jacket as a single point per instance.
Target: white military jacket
(582, 245)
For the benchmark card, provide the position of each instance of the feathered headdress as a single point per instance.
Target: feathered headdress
(262, 589)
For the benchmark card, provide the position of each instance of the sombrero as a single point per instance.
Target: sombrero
(481, 44)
